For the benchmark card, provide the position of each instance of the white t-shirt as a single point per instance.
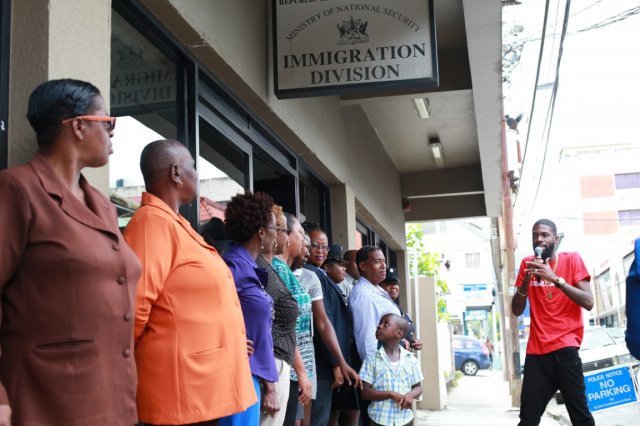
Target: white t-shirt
(310, 282)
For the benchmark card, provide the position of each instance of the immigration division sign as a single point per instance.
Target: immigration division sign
(325, 47)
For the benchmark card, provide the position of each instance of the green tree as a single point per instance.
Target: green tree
(427, 264)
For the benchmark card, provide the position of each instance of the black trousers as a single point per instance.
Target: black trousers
(543, 376)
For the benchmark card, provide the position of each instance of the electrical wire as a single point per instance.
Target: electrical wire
(584, 219)
(554, 93)
(612, 20)
(550, 113)
(533, 102)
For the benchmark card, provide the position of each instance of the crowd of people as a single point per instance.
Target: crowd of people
(258, 321)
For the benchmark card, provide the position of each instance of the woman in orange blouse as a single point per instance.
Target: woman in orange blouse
(191, 348)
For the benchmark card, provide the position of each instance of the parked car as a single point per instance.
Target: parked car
(470, 355)
(617, 333)
(600, 350)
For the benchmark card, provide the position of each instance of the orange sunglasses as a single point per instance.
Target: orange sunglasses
(111, 121)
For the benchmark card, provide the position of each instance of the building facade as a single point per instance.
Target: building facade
(361, 164)
(201, 72)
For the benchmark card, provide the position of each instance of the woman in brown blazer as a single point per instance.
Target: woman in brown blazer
(67, 277)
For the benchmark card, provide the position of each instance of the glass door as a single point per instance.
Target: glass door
(224, 164)
(144, 97)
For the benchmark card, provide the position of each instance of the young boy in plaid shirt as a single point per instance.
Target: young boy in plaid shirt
(391, 376)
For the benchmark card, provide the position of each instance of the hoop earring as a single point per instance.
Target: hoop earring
(261, 244)
(179, 184)
(275, 245)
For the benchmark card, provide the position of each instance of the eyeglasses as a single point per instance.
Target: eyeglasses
(110, 122)
(317, 246)
(275, 228)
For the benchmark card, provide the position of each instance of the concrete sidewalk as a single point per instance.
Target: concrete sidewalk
(625, 415)
(480, 400)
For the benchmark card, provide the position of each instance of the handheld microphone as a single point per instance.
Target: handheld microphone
(538, 251)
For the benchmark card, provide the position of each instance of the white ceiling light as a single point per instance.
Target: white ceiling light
(436, 150)
(422, 106)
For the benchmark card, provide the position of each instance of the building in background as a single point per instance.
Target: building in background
(361, 163)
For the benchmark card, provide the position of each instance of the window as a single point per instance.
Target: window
(472, 260)
(628, 180)
(629, 217)
(313, 199)
(627, 260)
(364, 235)
(389, 254)
(392, 259)
(160, 91)
(5, 18)
(144, 98)
(221, 172)
(271, 177)
(604, 287)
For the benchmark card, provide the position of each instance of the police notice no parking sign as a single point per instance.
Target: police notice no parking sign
(611, 387)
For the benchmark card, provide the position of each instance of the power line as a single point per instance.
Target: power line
(533, 102)
(550, 113)
(584, 219)
(612, 20)
(605, 22)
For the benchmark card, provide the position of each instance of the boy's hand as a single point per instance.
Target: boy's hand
(249, 347)
(406, 402)
(397, 397)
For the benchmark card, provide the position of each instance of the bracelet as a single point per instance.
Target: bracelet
(523, 295)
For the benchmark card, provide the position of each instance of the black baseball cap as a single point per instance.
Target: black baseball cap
(335, 255)
(392, 276)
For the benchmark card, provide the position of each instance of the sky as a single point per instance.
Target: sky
(597, 101)
(130, 137)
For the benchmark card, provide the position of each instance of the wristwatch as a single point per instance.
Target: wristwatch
(560, 282)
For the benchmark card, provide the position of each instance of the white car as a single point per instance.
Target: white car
(599, 350)
(617, 333)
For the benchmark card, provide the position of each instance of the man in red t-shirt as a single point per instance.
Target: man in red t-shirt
(557, 286)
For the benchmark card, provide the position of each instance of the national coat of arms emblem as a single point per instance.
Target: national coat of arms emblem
(353, 31)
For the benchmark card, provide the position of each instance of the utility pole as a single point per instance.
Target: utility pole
(512, 339)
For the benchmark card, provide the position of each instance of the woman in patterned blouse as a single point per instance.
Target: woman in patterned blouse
(283, 329)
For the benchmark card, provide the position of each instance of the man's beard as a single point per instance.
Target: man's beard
(547, 252)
